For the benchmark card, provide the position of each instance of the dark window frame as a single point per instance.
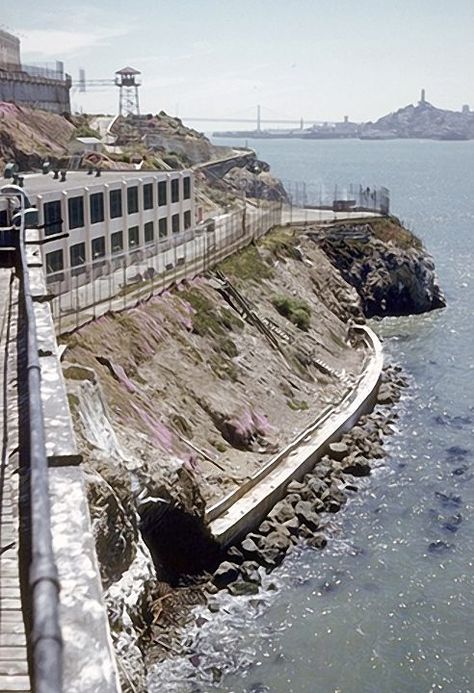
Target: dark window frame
(163, 228)
(174, 190)
(187, 188)
(114, 237)
(132, 231)
(96, 207)
(75, 211)
(132, 199)
(53, 222)
(162, 193)
(94, 242)
(146, 228)
(148, 196)
(56, 253)
(175, 223)
(115, 203)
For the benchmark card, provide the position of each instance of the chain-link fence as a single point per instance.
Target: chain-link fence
(87, 291)
(355, 198)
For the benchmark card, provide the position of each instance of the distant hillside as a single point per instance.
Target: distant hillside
(29, 135)
(423, 121)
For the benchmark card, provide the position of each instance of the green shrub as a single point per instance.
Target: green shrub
(295, 310)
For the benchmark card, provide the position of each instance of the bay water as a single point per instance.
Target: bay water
(388, 606)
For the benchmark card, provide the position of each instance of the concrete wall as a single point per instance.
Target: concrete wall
(48, 94)
(9, 49)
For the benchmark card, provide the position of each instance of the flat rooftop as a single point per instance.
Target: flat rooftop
(38, 183)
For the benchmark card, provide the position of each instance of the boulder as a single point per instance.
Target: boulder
(281, 512)
(337, 451)
(227, 572)
(306, 515)
(250, 549)
(242, 587)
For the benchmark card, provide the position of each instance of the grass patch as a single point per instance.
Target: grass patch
(298, 404)
(206, 318)
(388, 229)
(281, 241)
(246, 265)
(294, 309)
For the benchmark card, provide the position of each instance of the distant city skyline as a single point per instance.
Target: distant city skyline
(216, 58)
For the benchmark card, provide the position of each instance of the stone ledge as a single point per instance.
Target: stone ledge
(89, 661)
(250, 509)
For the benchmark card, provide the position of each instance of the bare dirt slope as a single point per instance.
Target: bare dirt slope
(28, 135)
(193, 391)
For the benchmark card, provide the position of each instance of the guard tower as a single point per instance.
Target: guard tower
(127, 81)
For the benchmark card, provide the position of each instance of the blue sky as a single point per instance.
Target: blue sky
(320, 59)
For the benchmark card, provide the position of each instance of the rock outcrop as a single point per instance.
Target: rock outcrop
(387, 265)
(421, 121)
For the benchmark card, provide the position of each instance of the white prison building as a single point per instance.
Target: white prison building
(116, 214)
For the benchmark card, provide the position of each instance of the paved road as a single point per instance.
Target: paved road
(297, 214)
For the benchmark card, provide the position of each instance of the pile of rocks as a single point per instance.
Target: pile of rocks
(302, 514)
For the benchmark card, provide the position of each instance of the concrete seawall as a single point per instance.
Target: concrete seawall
(244, 509)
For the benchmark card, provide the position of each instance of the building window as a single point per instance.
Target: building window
(76, 212)
(52, 218)
(175, 190)
(148, 196)
(77, 254)
(175, 223)
(163, 228)
(116, 240)
(115, 204)
(97, 207)
(149, 232)
(133, 237)
(187, 188)
(162, 196)
(187, 220)
(54, 261)
(98, 247)
(132, 200)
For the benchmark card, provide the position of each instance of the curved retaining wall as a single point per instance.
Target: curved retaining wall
(244, 509)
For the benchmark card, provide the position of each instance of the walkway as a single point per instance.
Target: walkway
(13, 658)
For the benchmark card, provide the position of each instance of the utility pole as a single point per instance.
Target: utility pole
(258, 118)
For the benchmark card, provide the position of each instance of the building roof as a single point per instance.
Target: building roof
(128, 71)
(38, 183)
(88, 140)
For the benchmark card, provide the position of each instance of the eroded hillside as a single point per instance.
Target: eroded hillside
(194, 391)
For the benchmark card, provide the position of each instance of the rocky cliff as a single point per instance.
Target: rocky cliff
(423, 120)
(387, 265)
(179, 400)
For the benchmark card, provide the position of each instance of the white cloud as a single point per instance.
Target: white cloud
(56, 43)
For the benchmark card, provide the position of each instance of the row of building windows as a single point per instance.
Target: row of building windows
(52, 210)
(77, 252)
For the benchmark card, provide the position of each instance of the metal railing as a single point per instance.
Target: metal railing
(45, 642)
(352, 197)
(118, 282)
